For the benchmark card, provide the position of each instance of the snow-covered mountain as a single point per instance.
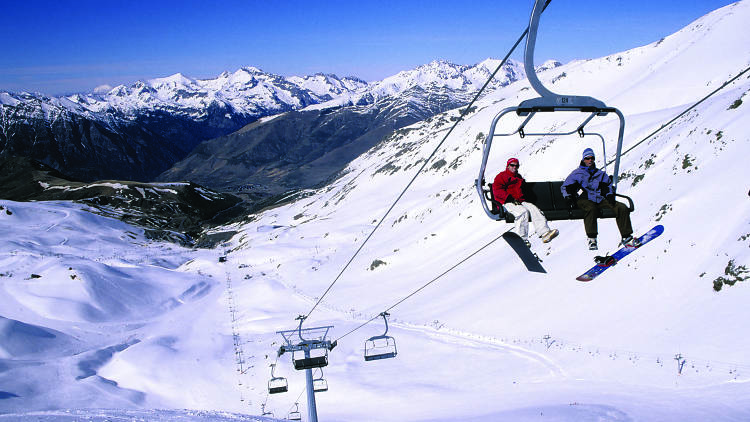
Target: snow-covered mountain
(248, 91)
(435, 76)
(157, 122)
(96, 316)
(302, 149)
(151, 124)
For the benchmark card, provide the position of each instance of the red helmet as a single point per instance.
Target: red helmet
(511, 161)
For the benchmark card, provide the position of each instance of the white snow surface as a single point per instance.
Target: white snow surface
(99, 323)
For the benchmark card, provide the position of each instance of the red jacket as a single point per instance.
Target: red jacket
(507, 183)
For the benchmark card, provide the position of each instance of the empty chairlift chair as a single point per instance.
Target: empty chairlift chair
(382, 346)
(264, 411)
(295, 415)
(314, 357)
(320, 384)
(311, 352)
(277, 384)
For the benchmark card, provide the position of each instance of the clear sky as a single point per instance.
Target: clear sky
(64, 46)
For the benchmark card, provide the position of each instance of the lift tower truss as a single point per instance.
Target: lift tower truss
(309, 348)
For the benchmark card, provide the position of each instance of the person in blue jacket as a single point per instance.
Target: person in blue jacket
(596, 187)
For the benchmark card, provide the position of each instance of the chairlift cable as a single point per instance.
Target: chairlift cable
(464, 112)
(684, 112)
(423, 286)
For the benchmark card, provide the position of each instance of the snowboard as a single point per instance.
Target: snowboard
(530, 260)
(620, 254)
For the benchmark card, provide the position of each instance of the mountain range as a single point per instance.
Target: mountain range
(138, 132)
(304, 148)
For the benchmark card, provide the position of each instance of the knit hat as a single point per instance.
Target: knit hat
(511, 161)
(588, 152)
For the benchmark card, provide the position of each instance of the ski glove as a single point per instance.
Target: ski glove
(511, 200)
(611, 198)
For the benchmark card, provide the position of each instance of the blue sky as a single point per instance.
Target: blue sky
(65, 46)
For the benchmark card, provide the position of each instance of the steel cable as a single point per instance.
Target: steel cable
(464, 112)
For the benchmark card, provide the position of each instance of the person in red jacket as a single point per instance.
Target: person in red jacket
(507, 190)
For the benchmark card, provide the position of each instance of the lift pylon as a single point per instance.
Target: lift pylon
(313, 346)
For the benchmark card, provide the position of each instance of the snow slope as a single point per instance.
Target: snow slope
(145, 325)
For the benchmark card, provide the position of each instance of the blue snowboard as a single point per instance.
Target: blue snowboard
(620, 254)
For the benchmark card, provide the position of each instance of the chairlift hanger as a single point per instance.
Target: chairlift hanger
(547, 195)
(382, 346)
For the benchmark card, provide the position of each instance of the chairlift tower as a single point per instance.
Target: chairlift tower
(313, 345)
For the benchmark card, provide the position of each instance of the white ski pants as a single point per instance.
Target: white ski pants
(522, 213)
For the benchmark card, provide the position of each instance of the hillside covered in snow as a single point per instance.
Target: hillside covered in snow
(96, 316)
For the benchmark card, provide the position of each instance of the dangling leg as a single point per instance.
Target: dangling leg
(589, 221)
(589, 217)
(622, 216)
(541, 228)
(522, 220)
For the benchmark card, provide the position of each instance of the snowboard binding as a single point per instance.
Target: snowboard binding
(606, 260)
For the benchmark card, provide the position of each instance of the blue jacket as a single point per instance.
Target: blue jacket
(596, 184)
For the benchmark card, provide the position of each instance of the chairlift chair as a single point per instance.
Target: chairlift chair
(318, 358)
(295, 415)
(382, 346)
(320, 384)
(547, 195)
(264, 411)
(277, 384)
(308, 353)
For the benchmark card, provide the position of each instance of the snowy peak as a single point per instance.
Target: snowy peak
(178, 80)
(328, 85)
(549, 64)
(444, 74)
(437, 77)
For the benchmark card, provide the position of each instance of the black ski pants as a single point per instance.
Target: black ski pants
(591, 211)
